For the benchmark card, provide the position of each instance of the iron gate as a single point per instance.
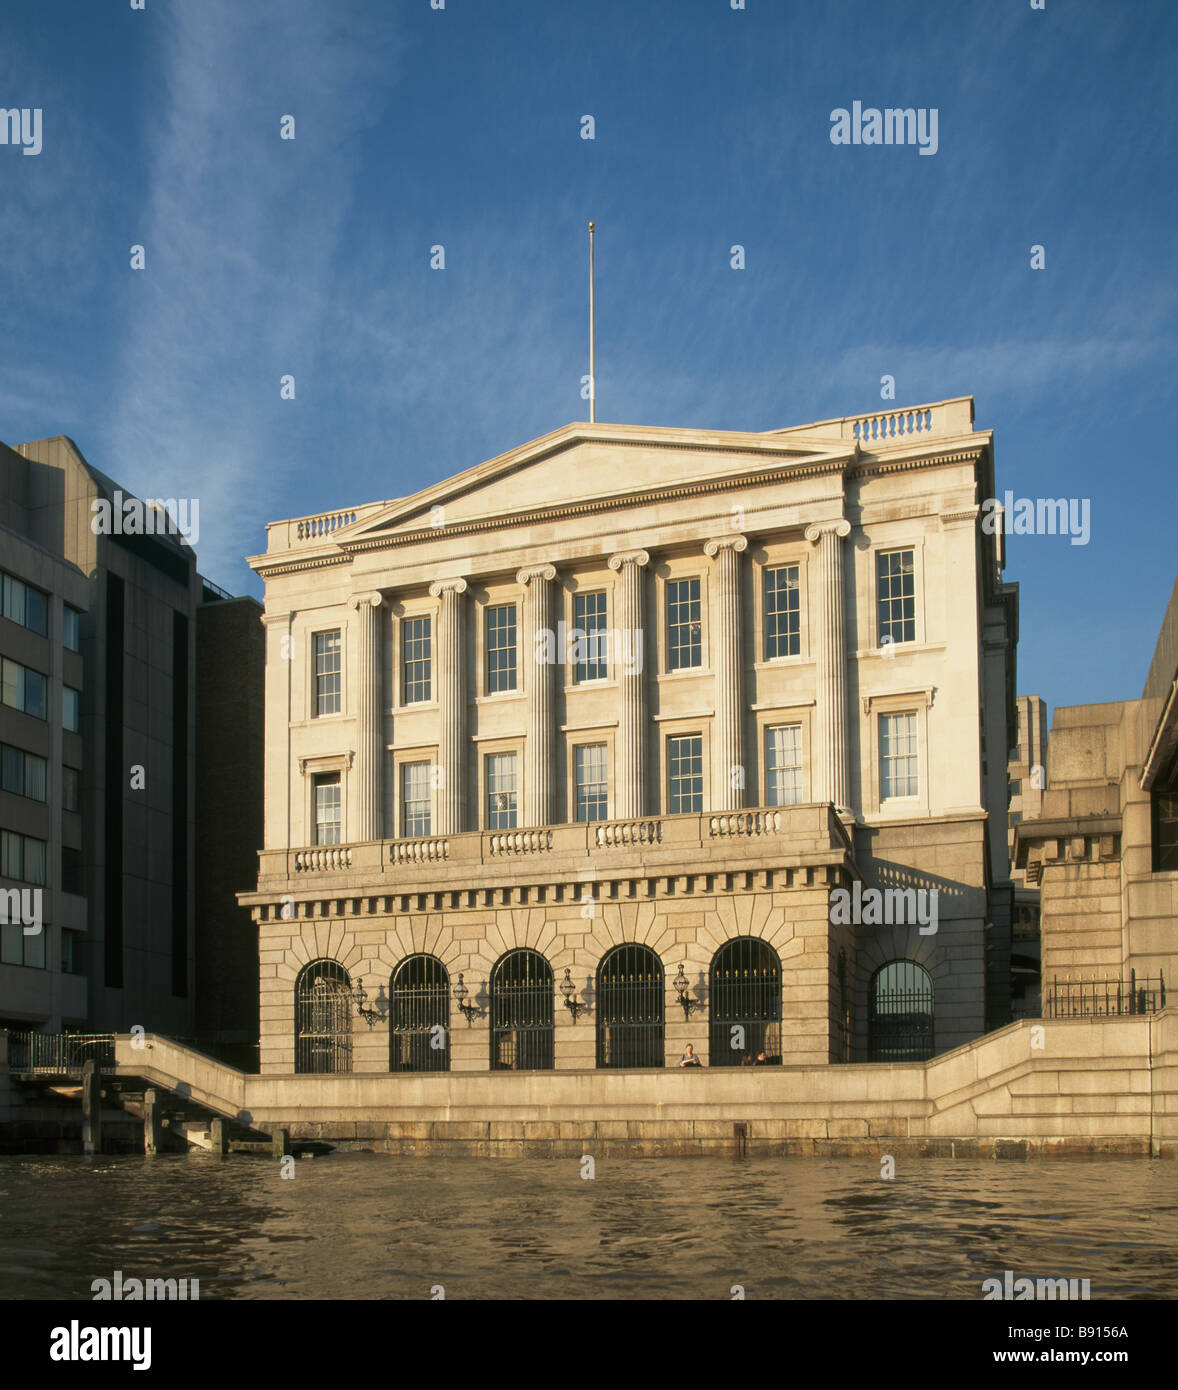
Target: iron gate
(521, 1013)
(900, 1018)
(630, 1002)
(419, 994)
(323, 1019)
(745, 994)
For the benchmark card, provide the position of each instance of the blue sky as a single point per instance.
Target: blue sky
(462, 127)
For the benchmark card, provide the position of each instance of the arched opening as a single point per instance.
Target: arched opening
(323, 1019)
(521, 1013)
(419, 1015)
(744, 995)
(900, 1021)
(630, 1008)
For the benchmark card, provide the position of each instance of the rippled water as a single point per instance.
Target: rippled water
(369, 1226)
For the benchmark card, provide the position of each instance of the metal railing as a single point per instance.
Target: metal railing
(60, 1054)
(1105, 998)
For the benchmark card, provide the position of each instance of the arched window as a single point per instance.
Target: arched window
(745, 1004)
(323, 1018)
(419, 1016)
(900, 1021)
(630, 1000)
(521, 1013)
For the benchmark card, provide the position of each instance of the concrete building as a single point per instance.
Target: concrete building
(117, 603)
(1027, 771)
(567, 755)
(1104, 849)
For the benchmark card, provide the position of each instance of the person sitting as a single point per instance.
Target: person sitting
(762, 1060)
(747, 1060)
(689, 1059)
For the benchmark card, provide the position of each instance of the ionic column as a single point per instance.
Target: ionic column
(539, 663)
(728, 775)
(831, 782)
(630, 769)
(367, 799)
(451, 705)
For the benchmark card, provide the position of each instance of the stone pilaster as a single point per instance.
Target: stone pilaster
(630, 798)
(831, 780)
(728, 769)
(367, 799)
(451, 706)
(539, 661)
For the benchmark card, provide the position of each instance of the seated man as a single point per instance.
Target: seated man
(689, 1059)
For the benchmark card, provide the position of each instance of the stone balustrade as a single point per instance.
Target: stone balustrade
(323, 859)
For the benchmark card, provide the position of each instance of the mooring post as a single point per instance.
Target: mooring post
(219, 1135)
(280, 1143)
(151, 1122)
(91, 1108)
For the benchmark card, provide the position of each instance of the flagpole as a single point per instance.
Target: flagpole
(592, 376)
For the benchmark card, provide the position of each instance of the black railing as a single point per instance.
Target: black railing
(522, 1013)
(60, 1054)
(1105, 998)
(631, 996)
(745, 1002)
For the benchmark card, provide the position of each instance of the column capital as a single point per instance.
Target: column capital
(737, 543)
(447, 586)
(836, 526)
(525, 576)
(629, 557)
(372, 598)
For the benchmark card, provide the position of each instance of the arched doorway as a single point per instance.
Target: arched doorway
(630, 1004)
(744, 994)
(900, 1019)
(419, 1015)
(323, 1019)
(521, 1012)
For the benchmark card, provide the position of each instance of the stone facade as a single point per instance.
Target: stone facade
(809, 646)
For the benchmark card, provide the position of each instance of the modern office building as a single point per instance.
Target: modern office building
(1104, 848)
(634, 737)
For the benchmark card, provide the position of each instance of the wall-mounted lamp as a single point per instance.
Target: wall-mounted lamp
(460, 992)
(682, 984)
(568, 989)
(360, 999)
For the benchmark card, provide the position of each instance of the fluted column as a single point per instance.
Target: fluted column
(451, 706)
(369, 706)
(540, 664)
(630, 755)
(728, 772)
(831, 781)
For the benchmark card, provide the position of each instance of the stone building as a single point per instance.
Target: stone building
(1104, 849)
(565, 756)
(1027, 771)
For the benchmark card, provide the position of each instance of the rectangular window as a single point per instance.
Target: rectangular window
(416, 660)
(783, 631)
(69, 788)
(69, 628)
(591, 781)
(589, 623)
(1164, 808)
(1016, 786)
(897, 756)
(326, 787)
(685, 774)
(71, 870)
(24, 774)
(501, 648)
(25, 605)
(327, 673)
(415, 799)
(22, 858)
(70, 701)
(71, 952)
(22, 688)
(783, 765)
(501, 798)
(895, 581)
(684, 624)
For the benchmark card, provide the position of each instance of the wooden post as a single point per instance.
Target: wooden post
(219, 1136)
(91, 1108)
(151, 1122)
(280, 1142)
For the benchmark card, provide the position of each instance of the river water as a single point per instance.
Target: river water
(353, 1225)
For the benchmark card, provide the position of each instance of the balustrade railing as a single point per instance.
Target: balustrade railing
(729, 823)
(312, 527)
(425, 851)
(892, 424)
(1105, 998)
(323, 859)
(60, 1054)
(621, 834)
(501, 842)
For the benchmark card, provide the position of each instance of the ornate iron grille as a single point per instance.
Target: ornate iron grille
(1105, 998)
(630, 1002)
(522, 1001)
(419, 994)
(900, 1017)
(744, 993)
(323, 1019)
